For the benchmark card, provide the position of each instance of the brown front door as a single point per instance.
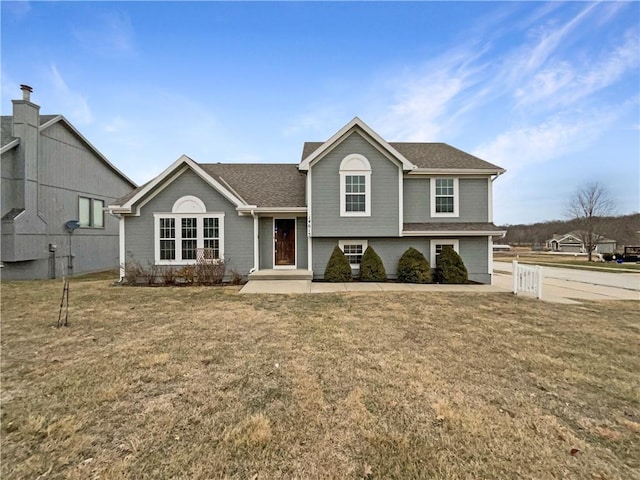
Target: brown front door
(285, 241)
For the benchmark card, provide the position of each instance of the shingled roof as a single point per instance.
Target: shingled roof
(277, 185)
(470, 227)
(426, 155)
(5, 127)
(262, 184)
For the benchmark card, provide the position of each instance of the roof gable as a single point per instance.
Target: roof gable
(46, 121)
(424, 157)
(149, 189)
(367, 133)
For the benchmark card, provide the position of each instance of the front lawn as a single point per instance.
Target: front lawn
(201, 382)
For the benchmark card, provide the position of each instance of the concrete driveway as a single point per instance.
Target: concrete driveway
(564, 284)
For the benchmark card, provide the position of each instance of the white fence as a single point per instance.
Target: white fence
(527, 279)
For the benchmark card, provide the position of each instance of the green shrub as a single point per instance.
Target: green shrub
(371, 267)
(413, 267)
(338, 268)
(450, 267)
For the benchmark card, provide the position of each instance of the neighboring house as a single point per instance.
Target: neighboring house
(354, 190)
(52, 175)
(571, 243)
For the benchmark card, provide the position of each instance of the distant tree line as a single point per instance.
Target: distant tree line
(623, 229)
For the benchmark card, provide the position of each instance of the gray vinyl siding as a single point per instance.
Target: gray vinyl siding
(238, 230)
(416, 200)
(301, 243)
(266, 242)
(475, 255)
(473, 250)
(473, 198)
(325, 193)
(8, 192)
(67, 163)
(66, 169)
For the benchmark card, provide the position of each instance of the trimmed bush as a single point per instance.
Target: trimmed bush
(371, 267)
(413, 267)
(338, 268)
(450, 267)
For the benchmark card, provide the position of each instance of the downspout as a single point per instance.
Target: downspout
(490, 238)
(256, 245)
(122, 246)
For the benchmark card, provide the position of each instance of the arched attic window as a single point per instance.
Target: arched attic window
(188, 204)
(355, 186)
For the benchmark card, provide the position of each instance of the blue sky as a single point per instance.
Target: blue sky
(549, 91)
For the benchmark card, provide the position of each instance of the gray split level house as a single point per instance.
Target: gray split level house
(51, 175)
(354, 190)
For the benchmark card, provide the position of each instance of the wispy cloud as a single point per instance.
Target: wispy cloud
(553, 38)
(108, 33)
(521, 147)
(74, 104)
(17, 9)
(566, 82)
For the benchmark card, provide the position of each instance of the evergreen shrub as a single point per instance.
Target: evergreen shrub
(371, 267)
(450, 267)
(413, 267)
(338, 268)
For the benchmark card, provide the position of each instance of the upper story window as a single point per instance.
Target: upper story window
(90, 212)
(189, 234)
(444, 197)
(355, 186)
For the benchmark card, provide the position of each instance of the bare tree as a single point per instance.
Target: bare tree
(587, 206)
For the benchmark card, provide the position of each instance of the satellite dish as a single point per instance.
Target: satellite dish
(71, 225)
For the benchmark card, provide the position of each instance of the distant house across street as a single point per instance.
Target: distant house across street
(55, 190)
(571, 243)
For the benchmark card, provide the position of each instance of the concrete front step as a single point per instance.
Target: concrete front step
(284, 274)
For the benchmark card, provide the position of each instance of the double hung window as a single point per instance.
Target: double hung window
(355, 186)
(444, 197)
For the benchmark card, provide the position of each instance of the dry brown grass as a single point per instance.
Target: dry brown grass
(204, 383)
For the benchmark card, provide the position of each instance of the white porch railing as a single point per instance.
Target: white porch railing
(527, 279)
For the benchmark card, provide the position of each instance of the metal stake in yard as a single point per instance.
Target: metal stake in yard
(64, 303)
(71, 226)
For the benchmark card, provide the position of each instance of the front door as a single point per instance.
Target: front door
(284, 245)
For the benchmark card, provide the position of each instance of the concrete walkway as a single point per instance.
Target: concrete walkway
(306, 286)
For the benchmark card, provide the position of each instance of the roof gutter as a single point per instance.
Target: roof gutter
(251, 209)
(493, 179)
(457, 233)
(457, 171)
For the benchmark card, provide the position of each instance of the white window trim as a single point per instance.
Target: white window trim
(364, 243)
(442, 241)
(456, 199)
(351, 165)
(178, 238)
